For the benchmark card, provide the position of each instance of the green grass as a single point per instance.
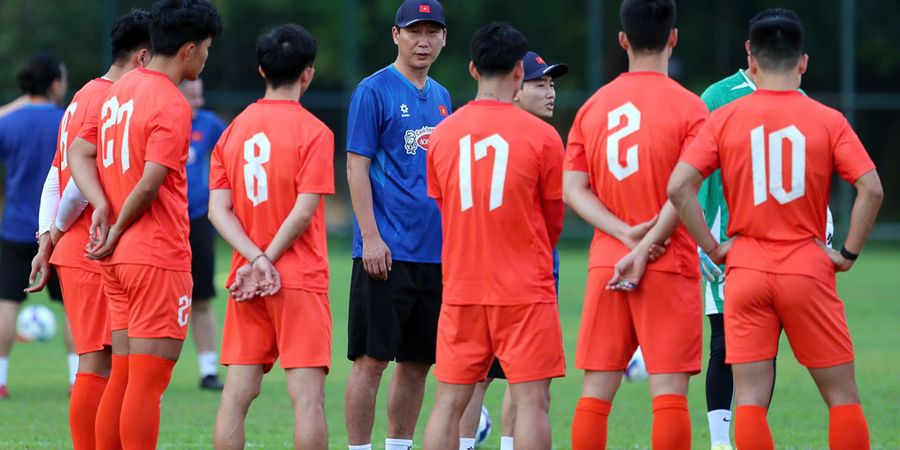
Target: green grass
(35, 416)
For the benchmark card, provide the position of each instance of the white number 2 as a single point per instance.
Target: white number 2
(115, 113)
(630, 112)
(255, 181)
(775, 186)
(498, 177)
(64, 136)
(184, 310)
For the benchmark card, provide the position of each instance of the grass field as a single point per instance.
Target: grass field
(36, 414)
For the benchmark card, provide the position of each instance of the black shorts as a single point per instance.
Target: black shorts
(395, 320)
(203, 243)
(496, 371)
(15, 267)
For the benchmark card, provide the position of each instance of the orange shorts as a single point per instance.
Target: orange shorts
(664, 316)
(293, 324)
(86, 308)
(148, 301)
(759, 304)
(526, 339)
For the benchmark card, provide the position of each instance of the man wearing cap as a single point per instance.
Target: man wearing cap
(395, 287)
(537, 95)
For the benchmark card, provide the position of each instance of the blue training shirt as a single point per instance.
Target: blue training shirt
(390, 122)
(205, 131)
(27, 146)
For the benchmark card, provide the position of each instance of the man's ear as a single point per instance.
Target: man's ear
(623, 41)
(473, 71)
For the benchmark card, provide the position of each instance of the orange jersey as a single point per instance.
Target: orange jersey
(628, 137)
(145, 118)
(272, 152)
(490, 165)
(778, 151)
(69, 251)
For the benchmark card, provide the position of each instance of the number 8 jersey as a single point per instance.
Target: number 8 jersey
(628, 137)
(144, 118)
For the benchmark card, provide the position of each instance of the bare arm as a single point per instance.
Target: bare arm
(683, 186)
(294, 225)
(82, 158)
(229, 227)
(376, 255)
(869, 195)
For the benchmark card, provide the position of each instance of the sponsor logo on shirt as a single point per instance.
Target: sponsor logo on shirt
(413, 140)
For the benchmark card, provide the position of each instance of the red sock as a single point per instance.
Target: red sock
(589, 424)
(106, 428)
(86, 394)
(148, 377)
(847, 428)
(671, 423)
(751, 428)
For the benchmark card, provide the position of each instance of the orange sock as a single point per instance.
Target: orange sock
(847, 428)
(589, 424)
(751, 428)
(148, 378)
(671, 423)
(86, 394)
(106, 428)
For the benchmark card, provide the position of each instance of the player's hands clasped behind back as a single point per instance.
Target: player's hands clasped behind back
(376, 258)
(99, 232)
(40, 266)
(259, 279)
(633, 235)
(841, 264)
(708, 268)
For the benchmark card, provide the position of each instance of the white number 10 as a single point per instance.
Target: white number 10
(498, 177)
(775, 186)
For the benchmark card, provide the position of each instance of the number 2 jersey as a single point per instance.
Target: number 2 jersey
(628, 137)
(490, 164)
(144, 117)
(272, 152)
(778, 151)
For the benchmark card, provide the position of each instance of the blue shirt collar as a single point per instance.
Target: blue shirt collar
(406, 81)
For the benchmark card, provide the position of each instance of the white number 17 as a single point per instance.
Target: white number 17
(498, 177)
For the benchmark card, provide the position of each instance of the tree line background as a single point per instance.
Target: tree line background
(354, 40)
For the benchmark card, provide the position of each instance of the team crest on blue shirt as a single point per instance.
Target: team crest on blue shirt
(416, 139)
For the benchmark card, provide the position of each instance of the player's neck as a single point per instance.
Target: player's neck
(168, 66)
(116, 72)
(649, 62)
(501, 89)
(38, 100)
(418, 77)
(777, 81)
(289, 92)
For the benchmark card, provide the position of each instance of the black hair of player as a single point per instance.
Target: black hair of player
(776, 39)
(496, 48)
(130, 33)
(647, 23)
(284, 53)
(39, 74)
(174, 23)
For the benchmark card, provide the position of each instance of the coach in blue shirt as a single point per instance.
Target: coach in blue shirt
(395, 287)
(206, 128)
(27, 146)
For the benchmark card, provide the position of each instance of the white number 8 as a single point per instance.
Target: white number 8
(255, 182)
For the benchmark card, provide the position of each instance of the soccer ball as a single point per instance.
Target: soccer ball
(636, 370)
(484, 427)
(36, 323)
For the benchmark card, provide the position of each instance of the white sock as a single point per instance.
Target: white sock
(361, 447)
(466, 443)
(4, 369)
(72, 358)
(506, 443)
(397, 444)
(719, 426)
(209, 363)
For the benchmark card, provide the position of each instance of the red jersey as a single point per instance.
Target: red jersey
(69, 251)
(489, 165)
(628, 137)
(144, 117)
(778, 151)
(274, 151)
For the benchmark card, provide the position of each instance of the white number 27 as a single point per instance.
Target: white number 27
(498, 177)
(115, 113)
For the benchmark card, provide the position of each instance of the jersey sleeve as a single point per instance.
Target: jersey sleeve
(431, 178)
(363, 122)
(552, 167)
(851, 160)
(710, 99)
(575, 159)
(316, 173)
(696, 117)
(703, 151)
(90, 125)
(218, 175)
(169, 136)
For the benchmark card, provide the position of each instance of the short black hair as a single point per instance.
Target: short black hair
(174, 23)
(284, 53)
(647, 23)
(130, 33)
(496, 48)
(39, 74)
(776, 39)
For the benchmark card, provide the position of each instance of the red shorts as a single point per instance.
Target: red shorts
(86, 308)
(148, 301)
(664, 316)
(759, 304)
(527, 339)
(293, 324)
